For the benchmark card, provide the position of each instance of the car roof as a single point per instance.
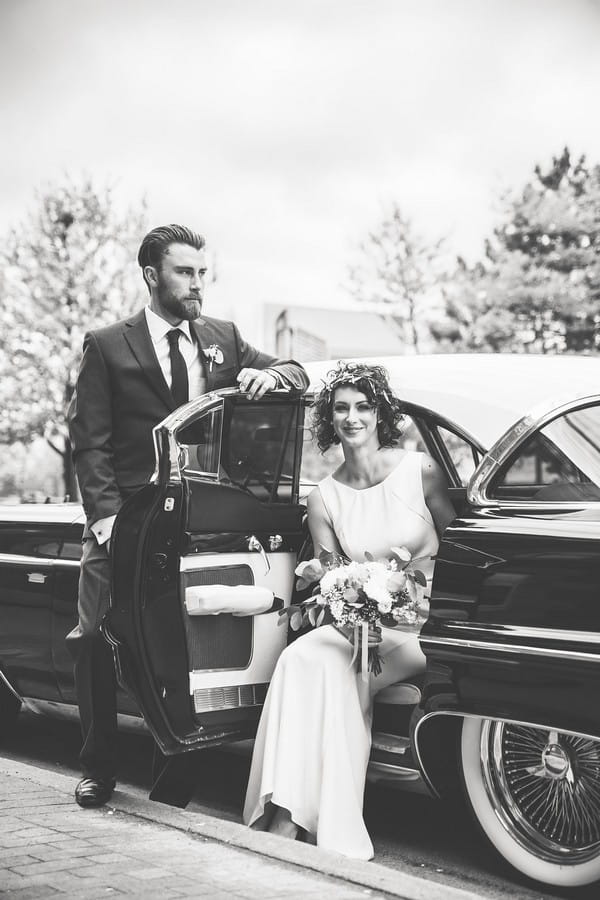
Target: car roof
(484, 393)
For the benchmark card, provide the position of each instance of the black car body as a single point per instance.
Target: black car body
(507, 708)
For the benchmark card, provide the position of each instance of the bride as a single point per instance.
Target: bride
(314, 737)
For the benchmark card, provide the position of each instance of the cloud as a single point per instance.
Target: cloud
(281, 128)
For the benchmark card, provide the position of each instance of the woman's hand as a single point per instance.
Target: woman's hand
(374, 636)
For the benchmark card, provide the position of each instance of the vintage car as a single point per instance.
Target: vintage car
(507, 710)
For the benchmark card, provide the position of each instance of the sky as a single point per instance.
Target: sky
(281, 129)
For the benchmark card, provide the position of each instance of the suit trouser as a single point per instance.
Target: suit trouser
(94, 669)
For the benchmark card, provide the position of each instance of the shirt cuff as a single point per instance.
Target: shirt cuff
(281, 383)
(102, 529)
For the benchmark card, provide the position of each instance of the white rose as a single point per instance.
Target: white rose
(385, 605)
(328, 581)
(379, 594)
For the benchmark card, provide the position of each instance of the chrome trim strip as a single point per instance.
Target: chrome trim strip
(539, 416)
(235, 696)
(15, 559)
(471, 644)
(196, 562)
(394, 771)
(54, 709)
(163, 434)
(7, 684)
(464, 715)
(556, 634)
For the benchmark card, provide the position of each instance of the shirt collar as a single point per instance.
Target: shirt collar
(159, 327)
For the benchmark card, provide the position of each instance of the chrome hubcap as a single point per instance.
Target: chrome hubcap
(545, 788)
(555, 762)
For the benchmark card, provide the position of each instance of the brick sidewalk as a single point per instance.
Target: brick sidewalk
(133, 847)
(50, 847)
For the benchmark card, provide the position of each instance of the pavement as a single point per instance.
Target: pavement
(134, 847)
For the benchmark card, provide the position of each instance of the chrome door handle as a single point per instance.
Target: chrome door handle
(36, 577)
(255, 544)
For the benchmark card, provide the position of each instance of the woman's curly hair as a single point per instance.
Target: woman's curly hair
(373, 382)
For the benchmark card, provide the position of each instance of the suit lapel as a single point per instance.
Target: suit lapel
(140, 343)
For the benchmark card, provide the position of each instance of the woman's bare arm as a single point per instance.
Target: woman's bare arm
(321, 531)
(437, 497)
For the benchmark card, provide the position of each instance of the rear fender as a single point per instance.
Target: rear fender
(436, 742)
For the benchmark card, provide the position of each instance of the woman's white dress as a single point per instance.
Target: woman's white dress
(314, 737)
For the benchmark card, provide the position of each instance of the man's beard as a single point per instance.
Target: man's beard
(186, 308)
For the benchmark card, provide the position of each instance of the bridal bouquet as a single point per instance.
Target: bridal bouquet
(374, 592)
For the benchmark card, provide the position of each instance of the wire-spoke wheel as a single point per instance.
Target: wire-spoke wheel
(535, 792)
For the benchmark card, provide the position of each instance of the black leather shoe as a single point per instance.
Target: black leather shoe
(94, 791)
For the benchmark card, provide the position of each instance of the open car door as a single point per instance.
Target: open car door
(203, 560)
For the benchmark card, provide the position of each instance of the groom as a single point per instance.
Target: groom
(132, 375)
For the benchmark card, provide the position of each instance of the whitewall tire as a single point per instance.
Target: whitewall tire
(535, 793)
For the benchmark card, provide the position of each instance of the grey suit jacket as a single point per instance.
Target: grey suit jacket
(121, 394)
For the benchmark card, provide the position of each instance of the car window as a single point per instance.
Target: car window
(559, 462)
(200, 443)
(251, 445)
(462, 453)
(317, 465)
(259, 449)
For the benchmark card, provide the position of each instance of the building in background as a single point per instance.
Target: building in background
(310, 333)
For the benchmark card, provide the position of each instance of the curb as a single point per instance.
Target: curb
(366, 874)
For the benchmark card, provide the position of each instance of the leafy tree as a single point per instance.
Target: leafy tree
(538, 287)
(69, 267)
(396, 272)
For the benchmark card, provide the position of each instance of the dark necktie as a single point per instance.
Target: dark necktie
(179, 373)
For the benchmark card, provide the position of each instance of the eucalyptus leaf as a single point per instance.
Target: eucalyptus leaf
(403, 554)
(302, 584)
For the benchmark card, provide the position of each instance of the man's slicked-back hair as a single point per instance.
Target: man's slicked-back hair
(157, 242)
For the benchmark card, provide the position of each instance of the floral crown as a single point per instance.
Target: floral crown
(351, 373)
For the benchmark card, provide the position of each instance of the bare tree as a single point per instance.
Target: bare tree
(396, 272)
(69, 267)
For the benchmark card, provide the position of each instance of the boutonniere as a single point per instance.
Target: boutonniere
(213, 354)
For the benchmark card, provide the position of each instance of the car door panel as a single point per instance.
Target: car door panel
(514, 631)
(232, 657)
(28, 555)
(514, 626)
(214, 507)
(201, 679)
